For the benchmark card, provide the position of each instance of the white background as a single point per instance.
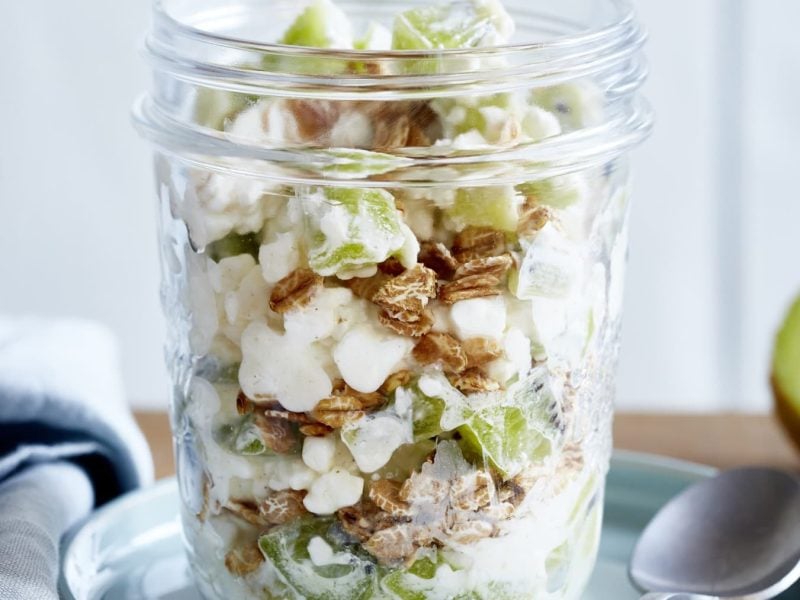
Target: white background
(714, 256)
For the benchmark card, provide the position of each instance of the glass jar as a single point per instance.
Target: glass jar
(393, 283)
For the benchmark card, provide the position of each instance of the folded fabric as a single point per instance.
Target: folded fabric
(36, 507)
(63, 421)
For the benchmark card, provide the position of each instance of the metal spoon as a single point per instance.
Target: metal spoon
(735, 536)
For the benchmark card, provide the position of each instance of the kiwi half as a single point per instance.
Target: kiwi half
(786, 372)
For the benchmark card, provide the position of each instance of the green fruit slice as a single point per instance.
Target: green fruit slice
(521, 432)
(550, 266)
(454, 25)
(249, 441)
(577, 105)
(427, 416)
(425, 577)
(286, 547)
(321, 25)
(786, 372)
(486, 115)
(496, 207)
(214, 108)
(235, 244)
(411, 583)
(349, 229)
(557, 192)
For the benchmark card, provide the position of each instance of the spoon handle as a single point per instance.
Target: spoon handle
(676, 596)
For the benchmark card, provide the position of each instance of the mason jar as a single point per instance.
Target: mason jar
(393, 241)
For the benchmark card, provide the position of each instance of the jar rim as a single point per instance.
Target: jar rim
(183, 56)
(584, 50)
(625, 18)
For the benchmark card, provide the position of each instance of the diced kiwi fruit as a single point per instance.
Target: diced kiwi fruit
(234, 244)
(213, 107)
(242, 437)
(407, 459)
(373, 225)
(312, 27)
(786, 372)
(517, 434)
(496, 207)
(473, 117)
(557, 192)
(419, 582)
(286, 547)
(427, 416)
(410, 584)
(577, 105)
(248, 441)
(454, 25)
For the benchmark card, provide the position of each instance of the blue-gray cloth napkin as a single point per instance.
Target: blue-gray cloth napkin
(68, 443)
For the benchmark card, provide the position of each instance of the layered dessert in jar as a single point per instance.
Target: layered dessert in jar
(386, 390)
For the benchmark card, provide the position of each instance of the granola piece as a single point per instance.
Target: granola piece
(472, 491)
(422, 488)
(335, 411)
(371, 67)
(244, 560)
(498, 511)
(276, 433)
(282, 507)
(295, 290)
(481, 350)
(338, 419)
(315, 118)
(437, 257)
(514, 490)
(367, 287)
(511, 493)
(533, 217)
(315, 430)
(288, 415)
(392, 266)
(366, 399)
(417, 137)
(391, 133)
(472, 381)
(396, 380)
(362, 520)
(422, 115)
(494, 267)
(469, 532)
(393, 544)
(246, 510)
(478, 242)
(437, 347)
(407, 295)
(244, 405)
(385, 493)
(422, 324)
(572, 457)
(476, 279)
(465, 290)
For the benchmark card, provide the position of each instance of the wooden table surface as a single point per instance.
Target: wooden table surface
(720, 440)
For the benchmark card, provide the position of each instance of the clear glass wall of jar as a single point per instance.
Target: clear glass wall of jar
(393, 284)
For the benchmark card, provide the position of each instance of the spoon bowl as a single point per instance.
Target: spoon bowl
(735, 536)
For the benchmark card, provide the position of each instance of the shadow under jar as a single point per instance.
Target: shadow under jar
(393, 284)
